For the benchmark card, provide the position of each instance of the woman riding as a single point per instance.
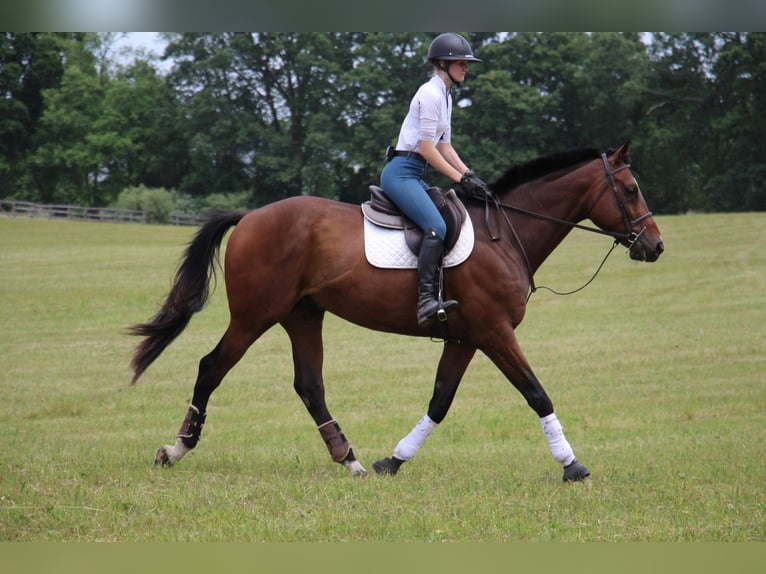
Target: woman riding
(425, 139)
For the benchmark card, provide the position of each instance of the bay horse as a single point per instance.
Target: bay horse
(292, 261)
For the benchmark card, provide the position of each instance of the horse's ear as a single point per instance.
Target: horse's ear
(624, 152)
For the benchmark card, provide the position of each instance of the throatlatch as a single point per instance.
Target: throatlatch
(191, 429)
(335, 440)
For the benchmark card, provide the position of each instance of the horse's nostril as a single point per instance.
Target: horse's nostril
(660, 248)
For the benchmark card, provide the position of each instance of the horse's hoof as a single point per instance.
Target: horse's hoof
(161, 457)
(355, 468)
(575, 472)
(387, 466)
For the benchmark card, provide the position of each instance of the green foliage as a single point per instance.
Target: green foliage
(273, 115)
(157, 202)
(65, 168)
(138, 138)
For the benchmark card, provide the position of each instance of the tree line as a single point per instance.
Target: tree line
(238, 120)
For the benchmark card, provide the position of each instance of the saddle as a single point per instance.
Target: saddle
(383, 212)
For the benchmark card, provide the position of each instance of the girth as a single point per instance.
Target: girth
(381, 211)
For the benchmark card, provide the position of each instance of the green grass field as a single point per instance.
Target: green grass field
(658, 373)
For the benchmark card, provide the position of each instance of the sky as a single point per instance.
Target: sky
(150, 42)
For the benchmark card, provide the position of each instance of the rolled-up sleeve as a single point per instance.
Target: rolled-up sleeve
(428, 110)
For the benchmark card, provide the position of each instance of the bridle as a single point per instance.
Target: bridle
(630, 236)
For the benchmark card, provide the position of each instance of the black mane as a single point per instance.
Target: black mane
(541, 166)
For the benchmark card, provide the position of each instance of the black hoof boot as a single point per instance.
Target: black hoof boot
(387, 465)
(575, 472)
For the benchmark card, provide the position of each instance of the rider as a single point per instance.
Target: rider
(424, 139)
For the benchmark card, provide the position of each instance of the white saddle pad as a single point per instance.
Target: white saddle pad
(388, 249)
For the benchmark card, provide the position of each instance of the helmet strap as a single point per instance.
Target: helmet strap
(444, 66)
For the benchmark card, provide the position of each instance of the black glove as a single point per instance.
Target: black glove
(473, 184)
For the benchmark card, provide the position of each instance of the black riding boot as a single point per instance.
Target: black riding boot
(429, 265)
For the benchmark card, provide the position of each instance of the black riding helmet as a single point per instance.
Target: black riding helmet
(449, 47)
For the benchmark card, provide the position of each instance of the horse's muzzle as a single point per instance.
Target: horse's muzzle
(646, 249)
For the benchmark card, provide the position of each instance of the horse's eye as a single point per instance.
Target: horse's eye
(631, 189)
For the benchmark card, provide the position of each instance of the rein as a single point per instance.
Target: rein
(630, 236)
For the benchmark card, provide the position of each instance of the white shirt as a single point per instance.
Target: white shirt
(429, 117)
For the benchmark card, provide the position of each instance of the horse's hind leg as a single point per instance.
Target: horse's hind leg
(304, 327)
(212, 369)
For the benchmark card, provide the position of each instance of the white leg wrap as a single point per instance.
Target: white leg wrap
(560, 448)
(410, 444)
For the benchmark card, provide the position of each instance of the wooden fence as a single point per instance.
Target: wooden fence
(80, 213)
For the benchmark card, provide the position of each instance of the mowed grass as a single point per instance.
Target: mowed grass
(657, 372)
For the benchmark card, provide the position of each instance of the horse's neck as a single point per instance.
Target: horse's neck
(560, 200)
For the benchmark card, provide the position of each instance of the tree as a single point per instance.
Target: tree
(138, 138)
(543, 93)
(502, 113)
(605, 94)
(676, 121)
(272, 115)
(291, 114)
(737, 158)
(380, 74)
(64, 167)
(29, 64)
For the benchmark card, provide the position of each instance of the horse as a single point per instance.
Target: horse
(292, 261)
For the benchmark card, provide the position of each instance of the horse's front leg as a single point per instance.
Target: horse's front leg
(304, 327)
(452, 365)
(509, 358)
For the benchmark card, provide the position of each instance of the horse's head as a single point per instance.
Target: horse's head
(619, 207)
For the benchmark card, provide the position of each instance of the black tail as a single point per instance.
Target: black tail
(188, 295)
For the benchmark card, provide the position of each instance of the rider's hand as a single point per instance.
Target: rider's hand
(473, 184)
